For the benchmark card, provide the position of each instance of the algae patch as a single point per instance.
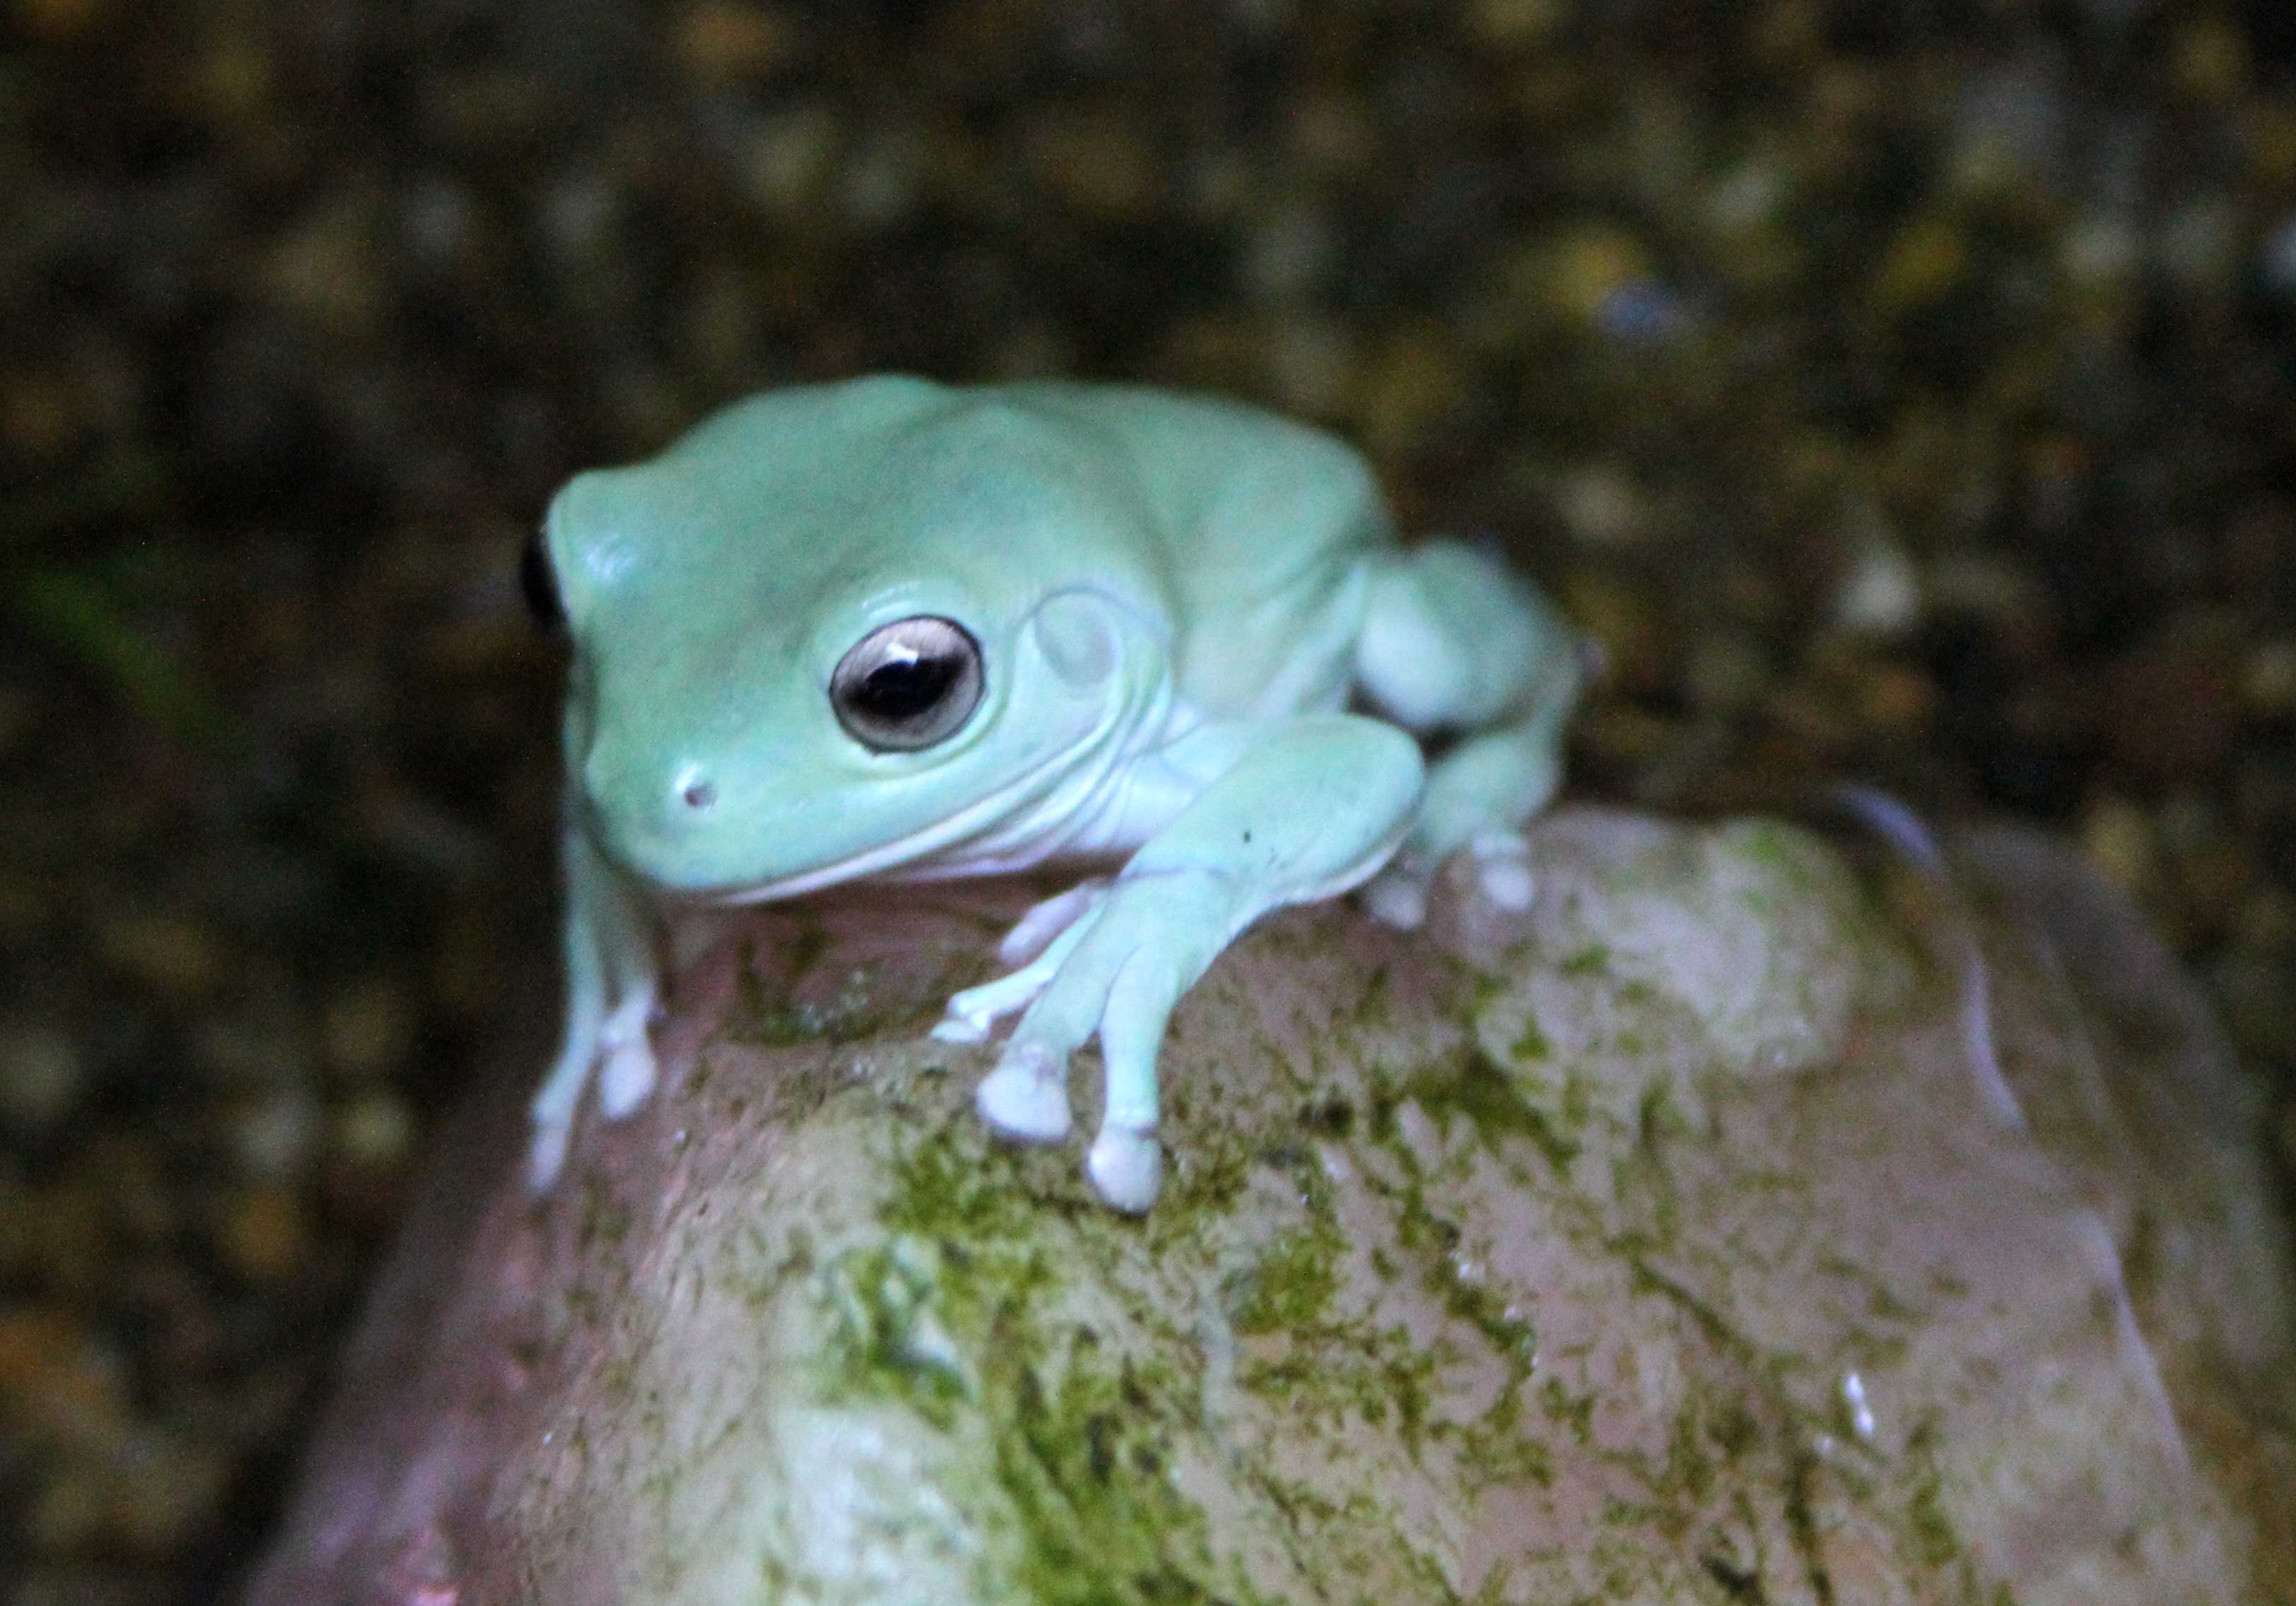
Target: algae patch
(1064, 1432)
(886, 1300)
(1083, 1457)
(1487, 1095)
(1293, 1281)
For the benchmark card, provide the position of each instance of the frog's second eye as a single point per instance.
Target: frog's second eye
(907, 684)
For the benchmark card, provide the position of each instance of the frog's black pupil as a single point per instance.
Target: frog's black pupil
(539, 585)
(900, 689)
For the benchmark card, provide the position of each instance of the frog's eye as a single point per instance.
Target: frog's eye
(540, 584)
(907, 684)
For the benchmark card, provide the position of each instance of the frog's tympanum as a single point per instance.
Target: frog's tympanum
(889, 630)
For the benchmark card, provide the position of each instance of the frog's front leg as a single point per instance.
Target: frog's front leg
(1311, 810)
(1039, 943)
(612, 984)
(1454, 640)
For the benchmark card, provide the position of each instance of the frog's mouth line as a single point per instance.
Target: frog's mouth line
(901, 857)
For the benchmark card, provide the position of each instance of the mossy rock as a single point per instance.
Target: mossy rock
(1742, 1224)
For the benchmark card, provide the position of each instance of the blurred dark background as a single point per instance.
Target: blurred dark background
(1899, 388)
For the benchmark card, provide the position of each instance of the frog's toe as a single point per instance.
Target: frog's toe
(1036, 930)
(959, 1025)
(1503, 869)
(627, 1079)
(972, 1014)
(1126, 1167)
(1398, 896)
(551, 1111)
(1027, 1095)
(546, 1154)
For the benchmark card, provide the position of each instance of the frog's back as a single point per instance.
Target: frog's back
(1263, 527)
(1244, 531)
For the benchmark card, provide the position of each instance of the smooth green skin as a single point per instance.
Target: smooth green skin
(1177, 600)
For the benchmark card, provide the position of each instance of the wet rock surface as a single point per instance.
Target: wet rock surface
(1920, 1252)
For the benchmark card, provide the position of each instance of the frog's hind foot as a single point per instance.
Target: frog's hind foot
(1503, 874)
(1398, 896)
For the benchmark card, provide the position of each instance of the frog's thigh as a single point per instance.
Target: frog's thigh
(1314, 809)
(1453, 639)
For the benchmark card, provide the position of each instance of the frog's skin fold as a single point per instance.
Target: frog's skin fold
(1116, 626)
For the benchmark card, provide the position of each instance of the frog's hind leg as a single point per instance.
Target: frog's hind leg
(1454, 642)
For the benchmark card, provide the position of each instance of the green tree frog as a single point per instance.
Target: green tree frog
(886, 629)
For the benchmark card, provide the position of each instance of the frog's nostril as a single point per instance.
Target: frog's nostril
(692, 787)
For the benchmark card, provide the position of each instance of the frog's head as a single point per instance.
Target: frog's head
(817, 638)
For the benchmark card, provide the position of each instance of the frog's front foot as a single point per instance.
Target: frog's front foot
(1026, 1098)
(1039, 942)
(616, 1046)
(551, 1111)
(546, 1153)
(1123, 957)
(625, 1055)
(1027, 1095)
(1398, 896)
(1127, 1168)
